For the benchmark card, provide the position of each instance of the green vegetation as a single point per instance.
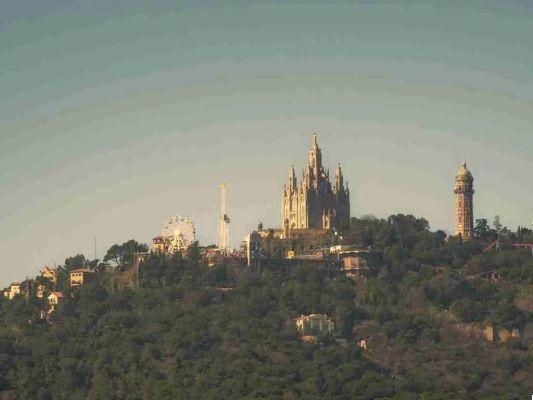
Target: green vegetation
(122, 255)
(190, 332)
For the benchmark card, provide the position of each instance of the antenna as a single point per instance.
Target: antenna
(223, 223)
(95, 252)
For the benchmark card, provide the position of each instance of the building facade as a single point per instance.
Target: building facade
(50, 274)
(281, 244)
(41, 289)
(464, 203)
(80, 276)
(54, 299)
(314, 324)
(315, 203)
(13, 290)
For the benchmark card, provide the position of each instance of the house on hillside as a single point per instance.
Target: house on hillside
(50, 274)
(54, 299)
(13, 290)
(40, 291)
(81, 276)
(356, 262)
(314, 324)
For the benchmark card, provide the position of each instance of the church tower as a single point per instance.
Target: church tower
(342, 199)
(464, 203)
(316, 203)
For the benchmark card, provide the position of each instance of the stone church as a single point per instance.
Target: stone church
(315, 203)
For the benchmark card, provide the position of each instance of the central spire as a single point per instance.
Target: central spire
(315, 160)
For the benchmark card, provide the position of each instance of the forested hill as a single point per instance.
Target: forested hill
(193, 332)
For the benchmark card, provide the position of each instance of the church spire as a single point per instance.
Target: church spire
(292, 183)
(315, 160)
(339, 179)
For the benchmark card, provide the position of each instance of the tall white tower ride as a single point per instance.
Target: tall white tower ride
(223, 223)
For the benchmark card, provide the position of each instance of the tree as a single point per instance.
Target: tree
(77, 261)
(122, 255)
(467, 311)
(193, 332)
(482, 228)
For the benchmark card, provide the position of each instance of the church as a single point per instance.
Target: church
(315, 203)
(314, 212)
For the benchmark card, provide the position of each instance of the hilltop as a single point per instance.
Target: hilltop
(413, 326)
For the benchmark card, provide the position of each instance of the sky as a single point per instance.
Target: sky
(115, 116)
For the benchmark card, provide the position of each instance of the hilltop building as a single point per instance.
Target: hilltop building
(293, 244)
(80, 276)
(315, 203)
(312, 215)
(159, 245)
(50, 274)
(13, 290)
(464, 203)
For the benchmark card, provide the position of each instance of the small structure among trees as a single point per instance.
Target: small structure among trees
(314, 324)
(54, 299)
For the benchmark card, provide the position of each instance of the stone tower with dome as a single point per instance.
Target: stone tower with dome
(315, 203)
(464, 203)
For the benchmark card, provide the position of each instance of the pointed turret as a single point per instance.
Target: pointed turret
(315, 159)
(464, 174)
(315, 141)
(309, 177)
(292, 183)
(339, 179)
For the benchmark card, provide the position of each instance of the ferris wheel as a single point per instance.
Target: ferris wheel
(179, 233)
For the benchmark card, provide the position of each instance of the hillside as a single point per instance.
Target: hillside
(193, 332)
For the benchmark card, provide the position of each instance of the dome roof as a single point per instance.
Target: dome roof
(464, 173)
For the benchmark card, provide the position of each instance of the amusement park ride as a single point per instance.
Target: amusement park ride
(223, 223)
(179, 233)
(177, 236)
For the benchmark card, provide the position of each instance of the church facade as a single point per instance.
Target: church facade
(315, 203)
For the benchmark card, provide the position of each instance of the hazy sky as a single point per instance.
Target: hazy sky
(116, 115)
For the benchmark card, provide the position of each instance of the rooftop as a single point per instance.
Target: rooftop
(82, 270)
